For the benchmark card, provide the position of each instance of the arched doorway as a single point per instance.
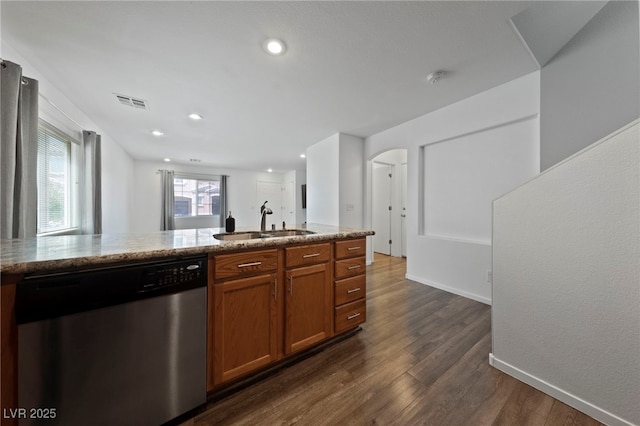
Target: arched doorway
(388, 197)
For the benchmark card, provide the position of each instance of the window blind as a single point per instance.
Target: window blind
(53, 175)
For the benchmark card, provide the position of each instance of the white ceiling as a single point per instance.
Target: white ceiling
(353, 67)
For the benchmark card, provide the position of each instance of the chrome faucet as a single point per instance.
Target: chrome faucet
(264, 211)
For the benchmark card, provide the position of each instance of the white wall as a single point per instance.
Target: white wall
(462, 176)
(457, 266)
(335, 180)
(351, 181)
(241, 193)
(323, 181)
(566, 289)
(591, 87)
(117, 165)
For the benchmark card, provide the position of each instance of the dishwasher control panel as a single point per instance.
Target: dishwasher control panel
(40, 296)
(172, 274)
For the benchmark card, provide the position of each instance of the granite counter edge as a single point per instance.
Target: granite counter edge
(82, 262)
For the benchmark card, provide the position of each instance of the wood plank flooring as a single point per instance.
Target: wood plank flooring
(421, 359)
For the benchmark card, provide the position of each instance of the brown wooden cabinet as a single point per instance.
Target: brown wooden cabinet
(308, 306)
(308, 296)
(244, 326)
(243, 314)
(350, 284)
(268, 304)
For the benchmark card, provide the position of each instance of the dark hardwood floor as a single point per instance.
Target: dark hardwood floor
(422, 358)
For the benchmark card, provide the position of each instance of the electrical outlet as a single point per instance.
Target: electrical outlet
(490, 277)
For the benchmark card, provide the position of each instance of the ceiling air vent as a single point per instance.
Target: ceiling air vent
(132, 102)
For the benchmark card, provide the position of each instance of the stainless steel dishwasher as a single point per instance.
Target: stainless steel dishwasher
(113, 346)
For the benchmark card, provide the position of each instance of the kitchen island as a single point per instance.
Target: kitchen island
(268, 299)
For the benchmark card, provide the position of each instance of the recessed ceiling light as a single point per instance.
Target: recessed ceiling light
(275, 47)
(167, 159)
(195, 116)
(157, 133)
(303, 156)
(269, 170)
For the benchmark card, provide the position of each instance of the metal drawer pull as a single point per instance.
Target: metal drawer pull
(353, 248)
(311, 255)
(353, 267)
(244, 265)
(353, 290)
(275, 289)
(350, 317)
(291, 285)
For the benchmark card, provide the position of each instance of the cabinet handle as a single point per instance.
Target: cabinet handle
(353, 267)
(275, 289)
(244, 265)
(311, 255)
(353, 290)
(350, 317)
(353, 248)
(291, 285)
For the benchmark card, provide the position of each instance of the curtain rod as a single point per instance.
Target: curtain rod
(61, 111)
(202, 175)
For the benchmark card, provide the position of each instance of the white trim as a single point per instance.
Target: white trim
(196, 176)
(485, 129)
(448, 289)
(66, 231)
(486, 243)
(579, 404)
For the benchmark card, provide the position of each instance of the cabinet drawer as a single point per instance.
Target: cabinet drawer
(350, 267)
(350, 289)
(307, 255)
(239, 264)
(350, 248)
(350, 315)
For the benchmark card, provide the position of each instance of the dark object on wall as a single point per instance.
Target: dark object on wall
(304, 196)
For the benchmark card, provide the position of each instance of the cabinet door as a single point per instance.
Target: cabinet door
(308, 306)
(244, 326)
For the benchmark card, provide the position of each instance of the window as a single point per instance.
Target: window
(196, 197)
(54, 176)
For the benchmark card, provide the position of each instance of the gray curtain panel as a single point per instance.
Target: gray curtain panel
(224, 209)
(166, 210)
(92, 220)
(18, 153)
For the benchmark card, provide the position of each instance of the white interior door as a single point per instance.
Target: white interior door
(403, 208)
(271, 192)
(381, 203)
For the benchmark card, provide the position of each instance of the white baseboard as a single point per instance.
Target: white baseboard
(579, 404)
(477, 298)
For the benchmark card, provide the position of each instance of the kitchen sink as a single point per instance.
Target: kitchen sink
(251, 235)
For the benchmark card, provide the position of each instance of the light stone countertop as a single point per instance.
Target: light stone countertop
(75, 252)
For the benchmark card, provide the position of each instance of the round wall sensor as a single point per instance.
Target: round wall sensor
(435, 76)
